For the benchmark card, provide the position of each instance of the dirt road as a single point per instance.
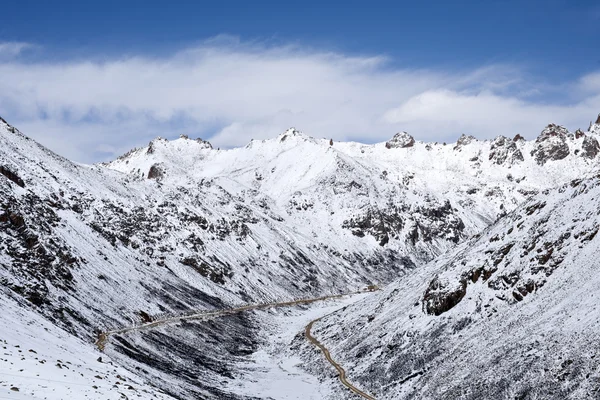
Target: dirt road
(338, 367)
(104, 337)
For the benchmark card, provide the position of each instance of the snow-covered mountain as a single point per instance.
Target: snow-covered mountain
(511, 313)
(178, 226)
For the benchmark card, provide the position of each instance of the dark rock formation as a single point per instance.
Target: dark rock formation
(505, 150)
(156, 172)
(400, 140)
(205, 143)
(463, 140)
(551, 144)
(441, 297)
(11, 176)
(590, 147)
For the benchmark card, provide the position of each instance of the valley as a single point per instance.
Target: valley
(200, 273)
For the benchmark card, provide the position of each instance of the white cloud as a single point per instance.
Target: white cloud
(13, 49)
(231, 92)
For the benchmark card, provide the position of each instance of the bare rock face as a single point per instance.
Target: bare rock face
(595, 128)
(503, 150)
(400, 140)
(11, 176)
(579, 134)
(551, 144)
(442, 296)
(205, 143)
(590, 147)
(463, 140)
(518, 137)
(156, 172)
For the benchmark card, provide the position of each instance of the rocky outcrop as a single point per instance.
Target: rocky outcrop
(205, 143)
(400, 140)
(13, 177)
(156, 172)
(595, 127)
(463, 140)
(590, 147)
(551, 144)
(503, 150)
(441, 296)
(409, 223)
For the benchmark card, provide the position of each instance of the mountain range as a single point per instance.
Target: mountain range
(484, 250)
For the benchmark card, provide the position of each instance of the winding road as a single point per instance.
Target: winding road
(104, 337)
(338, 367)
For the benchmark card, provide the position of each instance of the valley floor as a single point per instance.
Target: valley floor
(274, 371)
(39, 360)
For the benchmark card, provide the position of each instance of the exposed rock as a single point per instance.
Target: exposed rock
(590, 147)
(463, 140)
(156, 172)
(400, 140)
(551, 144)
(579, 134)
(518, 137)
(411, 224)
(11, 176)
(595, 127)
(205, 143)
(442, 296)
(503, 150)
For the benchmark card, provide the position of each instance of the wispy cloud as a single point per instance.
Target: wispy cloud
(13, 49)
(230, 91)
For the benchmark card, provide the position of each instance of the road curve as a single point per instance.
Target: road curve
(338, 367)
(105, 336)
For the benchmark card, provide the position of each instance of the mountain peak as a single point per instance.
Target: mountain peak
(292, 132)
(595, 127)
(400, 140)
(553, 130)
(464, 140)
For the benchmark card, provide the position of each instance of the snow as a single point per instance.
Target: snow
(273, 371)
(541, 340)
(91, 248)
(45, 362)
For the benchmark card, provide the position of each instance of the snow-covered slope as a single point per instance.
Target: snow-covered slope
(418, 199)
(179, 226)
(511, 313)
(40, 361)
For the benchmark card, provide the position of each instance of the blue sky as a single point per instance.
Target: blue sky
(90, 79)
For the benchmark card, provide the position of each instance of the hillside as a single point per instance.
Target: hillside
(510, 313)
(178, 226)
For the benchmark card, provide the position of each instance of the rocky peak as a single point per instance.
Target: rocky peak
(518, 138)
(463, 140)
(590, 147)
(579, 134)
(204, 143)
(553, 131)
(400, 140)
(291, 132)
(505, 150)
(551, 144)
(595, 127)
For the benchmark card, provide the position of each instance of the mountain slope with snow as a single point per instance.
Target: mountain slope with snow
(511, 313)
(179, 226)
